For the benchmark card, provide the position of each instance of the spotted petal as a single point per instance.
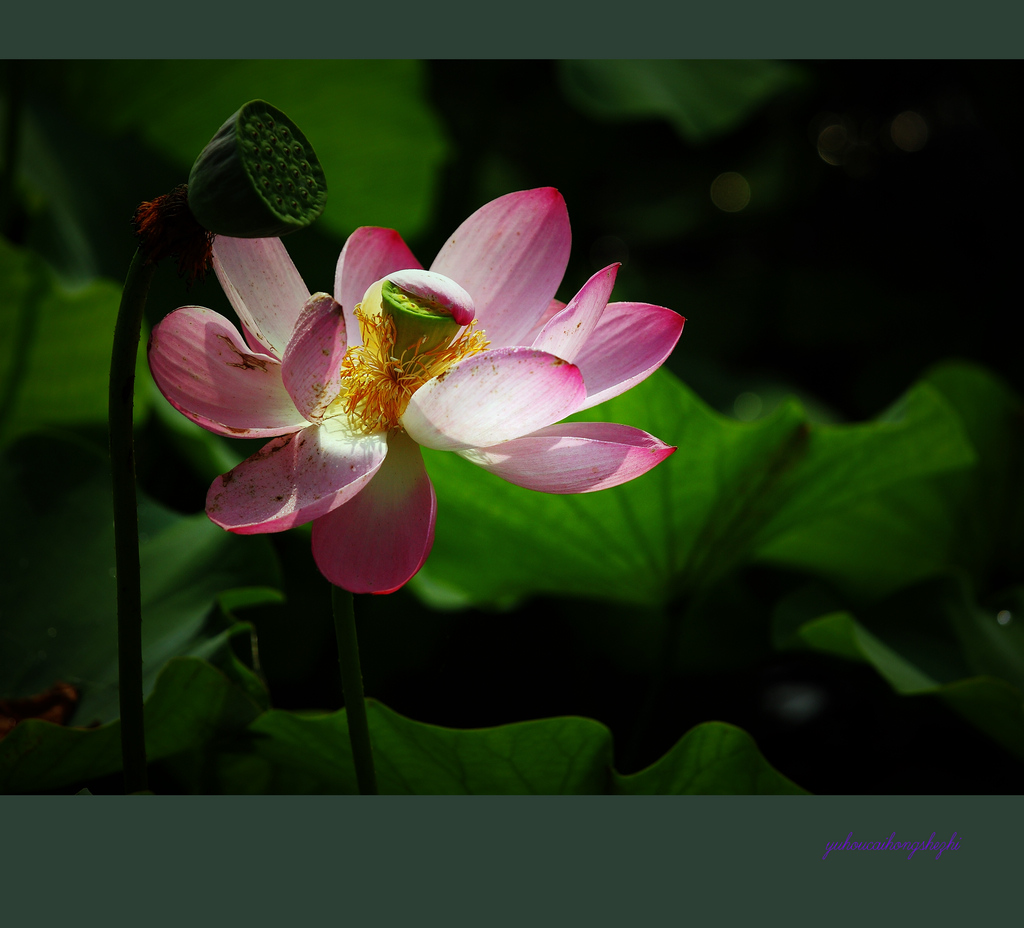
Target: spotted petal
(296, 478)
(510, 256)
(573, 457)
(630, 343)
(263, 286)
(378, 540)
(207, 372)
(493, 397)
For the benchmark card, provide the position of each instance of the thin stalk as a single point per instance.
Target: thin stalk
(352, 687)
(126, 520)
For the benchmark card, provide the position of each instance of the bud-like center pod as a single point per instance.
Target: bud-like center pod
(415, 325)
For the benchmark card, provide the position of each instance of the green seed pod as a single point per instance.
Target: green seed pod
(421, 324)
(258, 177)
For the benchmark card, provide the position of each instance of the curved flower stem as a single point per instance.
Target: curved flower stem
(352, 686)
(126, 520)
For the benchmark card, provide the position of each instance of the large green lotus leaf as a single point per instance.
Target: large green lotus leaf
(973, 518)
(710, 759)
(701, 99)
(191, 703)
(58, 593)
(369, 121)
(560, 756)
(887, 541)
(55, 347)
(934, 638)
(729, 490)
(551, 756)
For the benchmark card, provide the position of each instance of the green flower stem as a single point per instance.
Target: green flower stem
(352, 686)
(126, 520)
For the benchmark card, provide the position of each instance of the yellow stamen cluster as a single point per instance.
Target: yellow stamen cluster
(376, 385)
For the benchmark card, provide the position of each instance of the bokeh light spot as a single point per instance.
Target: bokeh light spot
(833, 141)
(747, 407)
(909, 131)
(1003, 617)
(795, 703)
(730, 192)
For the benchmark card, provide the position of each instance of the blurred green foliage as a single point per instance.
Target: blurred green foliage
(55, 347)
(701, 99)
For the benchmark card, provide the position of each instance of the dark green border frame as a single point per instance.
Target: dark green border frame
(496, 862)
(529, 29)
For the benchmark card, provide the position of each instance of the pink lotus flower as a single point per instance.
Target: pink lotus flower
(347, 388)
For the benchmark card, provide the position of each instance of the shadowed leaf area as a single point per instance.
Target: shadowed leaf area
(209, 729)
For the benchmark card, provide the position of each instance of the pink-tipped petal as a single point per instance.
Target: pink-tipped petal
(207, 372)
(630, 343)
(433, 286)
(263, 286)
(311, 367)
(567, 332)
(573, 457)
(510, 255)
(493, 397)
(370, 253)
(377, 541)
(295, 479)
